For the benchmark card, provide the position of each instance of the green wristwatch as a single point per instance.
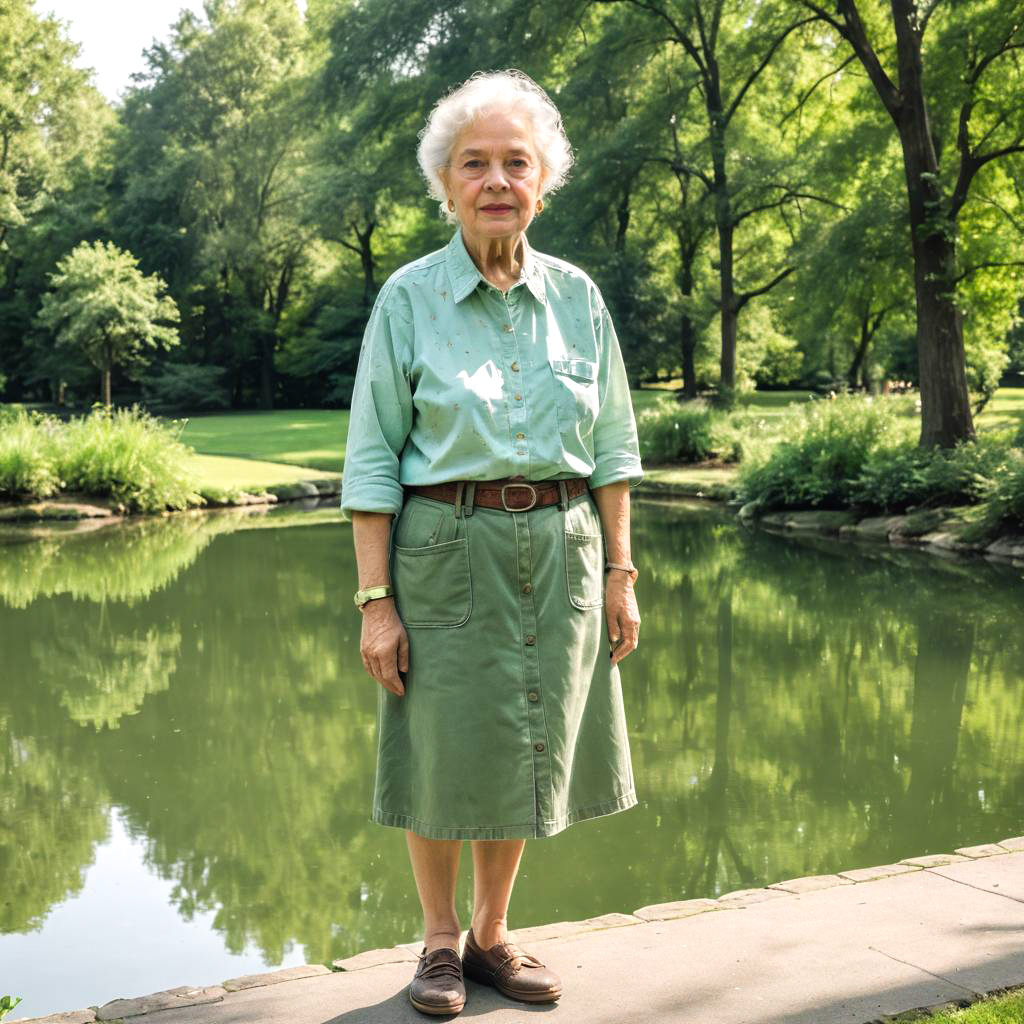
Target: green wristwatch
(363, 597)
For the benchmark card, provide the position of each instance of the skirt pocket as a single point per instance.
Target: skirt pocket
(584, 569)
(432, 584)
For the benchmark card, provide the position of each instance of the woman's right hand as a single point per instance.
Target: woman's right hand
(384, 644)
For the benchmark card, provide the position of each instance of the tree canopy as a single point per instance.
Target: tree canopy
(776, 193)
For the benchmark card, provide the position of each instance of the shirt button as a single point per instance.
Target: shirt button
(520, 436)
(538, 746)
(507, 328)
(514, 367)
(531, 695)
(527, 588)
(530, 639)
(518, 397)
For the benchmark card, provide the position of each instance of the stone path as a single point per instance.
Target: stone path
(851, 948)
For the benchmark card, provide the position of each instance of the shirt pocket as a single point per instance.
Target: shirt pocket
(430, 567)
(584, 555)
(576, 400)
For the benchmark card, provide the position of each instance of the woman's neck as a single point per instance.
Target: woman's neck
(498, 259)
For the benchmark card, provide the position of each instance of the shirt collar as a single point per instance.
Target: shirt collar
(464, 276)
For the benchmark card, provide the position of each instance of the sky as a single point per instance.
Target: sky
(113, 33)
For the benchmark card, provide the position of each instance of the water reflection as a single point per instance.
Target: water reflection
(796, 707)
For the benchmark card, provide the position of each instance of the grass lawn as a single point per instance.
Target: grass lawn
(297, 437)
(248, 474)
(257, 449)
(1007, 1009)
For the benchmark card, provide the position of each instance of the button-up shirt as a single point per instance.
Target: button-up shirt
(457, 380)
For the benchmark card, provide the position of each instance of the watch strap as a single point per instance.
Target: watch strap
(368, 594)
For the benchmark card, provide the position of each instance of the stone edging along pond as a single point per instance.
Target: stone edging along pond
(932, 530)
(191, 995)
(936, 530)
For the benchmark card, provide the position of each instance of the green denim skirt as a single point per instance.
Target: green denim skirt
(512, 724)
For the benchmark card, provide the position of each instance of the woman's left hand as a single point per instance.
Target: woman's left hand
(622, 614)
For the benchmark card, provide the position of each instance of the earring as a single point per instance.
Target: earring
(451, 205)
(540, 205)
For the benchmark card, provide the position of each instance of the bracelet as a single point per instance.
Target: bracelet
(631, 569)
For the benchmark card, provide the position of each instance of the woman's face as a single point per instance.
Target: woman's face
(495, 176)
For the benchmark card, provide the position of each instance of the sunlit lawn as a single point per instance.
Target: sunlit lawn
(261, 446)
(299, 437)
(1007, 1009)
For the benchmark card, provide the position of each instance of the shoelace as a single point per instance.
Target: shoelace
(515, 959)
(441, 966)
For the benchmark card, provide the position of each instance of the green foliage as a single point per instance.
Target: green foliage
(103, 305)
(823, 448)
(669, 431)
(1004, 504)
(187, 386)
(126, 455)
(781, 363)
(896, 478)
(29, 453)
(7, 1004)
(693, 431)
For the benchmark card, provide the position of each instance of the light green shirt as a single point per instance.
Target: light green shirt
(458, 381)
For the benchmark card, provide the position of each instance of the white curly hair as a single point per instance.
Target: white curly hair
(489, 91)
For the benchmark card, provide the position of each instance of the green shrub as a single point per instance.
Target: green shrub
(892, 479)
(823, 448)
(187, 386)
(127, 455)
(1004, 503)
(29, 444)
(669, 431)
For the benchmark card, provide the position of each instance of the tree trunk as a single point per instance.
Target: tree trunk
(724, 224)
(853, 378)
(942, 370)
(689, 347)
(267, 339)
(942, 363)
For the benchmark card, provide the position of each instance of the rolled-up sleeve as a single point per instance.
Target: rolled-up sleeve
(381, 414)
(616, 446)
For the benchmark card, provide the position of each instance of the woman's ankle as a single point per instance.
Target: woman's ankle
(444, 935)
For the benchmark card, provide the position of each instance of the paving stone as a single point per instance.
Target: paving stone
(274, 977)
(985, 850)
(375, 957)
(934, 860)
(558, 929)
(1017, 843)
(808, 883)
(1000, 876)
(68, 1017)
(680, 908)
(879, 871)
(744, 897)
(169, 999)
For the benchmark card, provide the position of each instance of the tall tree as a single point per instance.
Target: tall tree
(215, 164)
(103, 305)
(970, 103)
(727, 49)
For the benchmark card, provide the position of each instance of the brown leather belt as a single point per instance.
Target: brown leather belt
(507, 493)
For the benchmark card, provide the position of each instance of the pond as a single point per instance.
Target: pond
(187, 740)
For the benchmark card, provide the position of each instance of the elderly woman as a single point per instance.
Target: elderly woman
(491, 449)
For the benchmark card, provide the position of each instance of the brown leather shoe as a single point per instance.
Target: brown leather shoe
(511, 971)
(438, 986)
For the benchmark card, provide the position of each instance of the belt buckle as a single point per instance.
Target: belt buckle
(525, 508)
